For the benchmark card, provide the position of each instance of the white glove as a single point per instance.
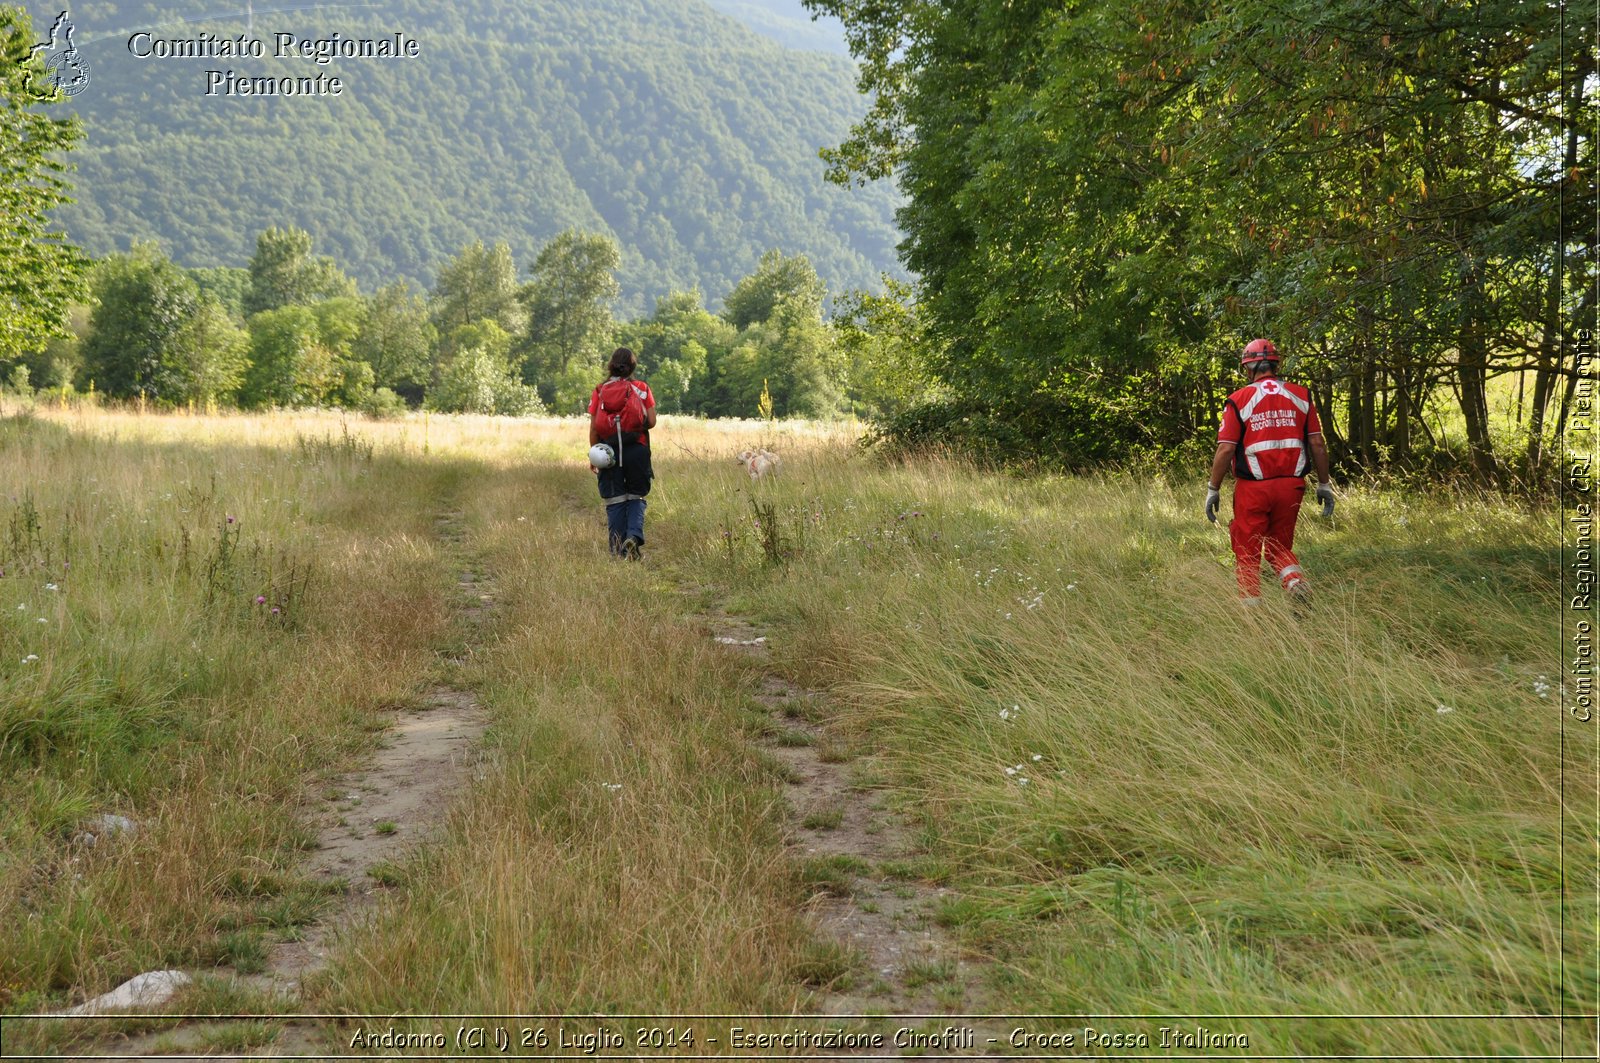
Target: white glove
(1213, 497)
(1325, 496)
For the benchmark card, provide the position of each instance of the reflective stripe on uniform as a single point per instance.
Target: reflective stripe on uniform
(617, 499)
(1300, 404)
(1253, 449)
(1291, 570)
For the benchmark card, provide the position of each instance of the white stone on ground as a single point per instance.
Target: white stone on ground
(148, 990)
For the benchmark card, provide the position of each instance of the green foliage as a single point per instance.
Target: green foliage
(283, 273)
(689, 140)
(226, 284)
(396, 339)
(142, 304)
(783, 342)
(778, 278)
(478, 381)
(40, 273)
(479, 284)
(884, 342)
(568, 297)
(289, 364)
(381, 403)
(1107, 201)
(208, 355)
(677, 347)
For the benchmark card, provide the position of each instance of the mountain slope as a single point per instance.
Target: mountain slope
(788, 23)
(684, 134)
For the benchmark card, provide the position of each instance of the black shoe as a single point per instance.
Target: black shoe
(630, 548)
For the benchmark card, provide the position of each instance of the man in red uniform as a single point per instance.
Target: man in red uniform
(1268, 426)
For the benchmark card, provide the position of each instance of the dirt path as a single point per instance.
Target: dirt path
(368, 821)
(855, 852)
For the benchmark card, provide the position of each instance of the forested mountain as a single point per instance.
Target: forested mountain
(674, 128)
(787, 22)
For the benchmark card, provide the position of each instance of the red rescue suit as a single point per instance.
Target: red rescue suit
(1270, 423)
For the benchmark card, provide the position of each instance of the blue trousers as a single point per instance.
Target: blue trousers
(625, 520)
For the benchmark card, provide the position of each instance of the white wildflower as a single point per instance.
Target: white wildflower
(30, 658)
(1441, 709)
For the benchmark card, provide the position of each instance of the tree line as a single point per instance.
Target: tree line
(1107, 199)
(292, 329)
(689, 140)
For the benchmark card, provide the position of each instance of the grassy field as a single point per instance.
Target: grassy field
(1141, 799)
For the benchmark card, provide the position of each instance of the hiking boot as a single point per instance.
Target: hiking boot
(630, 548)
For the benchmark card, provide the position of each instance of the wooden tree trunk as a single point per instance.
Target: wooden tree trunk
(1473, 370)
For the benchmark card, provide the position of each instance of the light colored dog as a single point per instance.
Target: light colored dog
(759, 463)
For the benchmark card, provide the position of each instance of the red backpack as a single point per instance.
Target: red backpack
(619, 415)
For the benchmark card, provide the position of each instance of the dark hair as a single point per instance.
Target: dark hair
(623, 362)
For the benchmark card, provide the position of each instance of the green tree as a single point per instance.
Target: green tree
(777, 277)
(1105, 200)
(283, 273)
(676, 346)
(886, 349)
(479, 284)
(396, 339)
(226, 284)
(568, 296)
(477, 381)
(40, 273)
(289, 364)
(141, 303)
(208, 355)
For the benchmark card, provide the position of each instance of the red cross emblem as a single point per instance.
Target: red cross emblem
(1271, 387)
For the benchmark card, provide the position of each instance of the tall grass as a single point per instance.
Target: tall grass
(1158, 802)
(199, 617)
(621, 851)
(1142, 798)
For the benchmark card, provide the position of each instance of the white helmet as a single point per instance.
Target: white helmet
(601, 456)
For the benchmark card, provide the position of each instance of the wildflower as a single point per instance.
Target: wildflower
(1022, 782)
(1072, 586)
(261, 599)
(30, 658)
(613, 787)
(1441, 709)
(42, 620)
(1037, 757)
(1541, 687)
(21, 607)
(230, 518)
(1011, 771)
(276, 610)
(51, 587)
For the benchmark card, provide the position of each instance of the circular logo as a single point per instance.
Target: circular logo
(66, 71)
(1271, 387)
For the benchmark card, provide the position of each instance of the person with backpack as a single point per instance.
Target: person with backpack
(621, 413)
(1270, 435)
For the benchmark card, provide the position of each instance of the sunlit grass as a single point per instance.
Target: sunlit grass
(1140, 797)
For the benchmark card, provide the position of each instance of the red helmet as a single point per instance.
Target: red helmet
(1256, 352)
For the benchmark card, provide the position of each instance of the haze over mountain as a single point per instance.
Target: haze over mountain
(787, 22)
(677, 129)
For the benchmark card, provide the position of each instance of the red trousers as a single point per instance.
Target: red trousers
(1264, 514)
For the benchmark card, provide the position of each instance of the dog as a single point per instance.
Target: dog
(759, 463)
